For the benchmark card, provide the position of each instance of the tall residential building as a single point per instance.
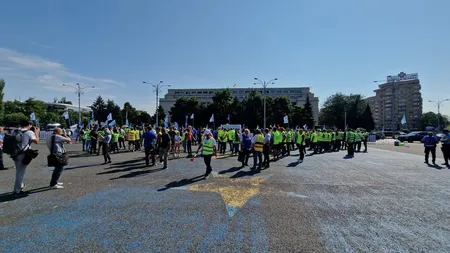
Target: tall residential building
(399, 96)
(296, 95)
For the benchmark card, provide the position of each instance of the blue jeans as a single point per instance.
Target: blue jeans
(257, 155)
(88, 145)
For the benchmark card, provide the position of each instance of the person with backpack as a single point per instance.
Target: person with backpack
(17, 144)
(55, 144)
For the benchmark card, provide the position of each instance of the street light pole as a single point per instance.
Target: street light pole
(157, 88)
(438, 103)
(79, 90)
(264, 85)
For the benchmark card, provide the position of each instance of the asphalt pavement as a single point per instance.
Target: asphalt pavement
(380, 201)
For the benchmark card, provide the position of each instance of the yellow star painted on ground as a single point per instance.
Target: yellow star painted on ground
(235, 195)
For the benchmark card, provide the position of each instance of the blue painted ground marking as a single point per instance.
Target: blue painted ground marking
(232, 210)
(293, 194)
(136, 219)
(258, 234)
(216, 233)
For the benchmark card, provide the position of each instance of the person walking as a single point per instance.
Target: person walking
(30, 135)
(131, 140)
(94, 136)
(429, 143)
(301, 144)
(164, 145)
(246, 147)
(266, 150)
(208, 146)
(176, 148)
(55, 144)
(350, 143)
(445, 140)
(149, 145)
(189, 141)
(257, 146)
(115, 141)
(105, 146)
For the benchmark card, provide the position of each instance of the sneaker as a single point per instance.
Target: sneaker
(57, 187)
(300, 161)
(60, 183)
(109, 161)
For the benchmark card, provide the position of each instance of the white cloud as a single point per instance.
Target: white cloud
(41, 45)
(45, 73)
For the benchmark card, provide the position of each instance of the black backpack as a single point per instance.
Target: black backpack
(12, 143)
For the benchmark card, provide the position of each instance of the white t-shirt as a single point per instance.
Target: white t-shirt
(28, 136)
(58, 148)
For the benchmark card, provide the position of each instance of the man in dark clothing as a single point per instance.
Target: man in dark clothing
(164, 144)
(172, 134)
(149, 144)
(94, 136)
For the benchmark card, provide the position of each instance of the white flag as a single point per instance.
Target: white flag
(403, 119)
(66, 115)
(286, 120)
(192, 116)
(109, 117)
(212, 118)
(32, 116)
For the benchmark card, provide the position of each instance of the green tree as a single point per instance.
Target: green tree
(251, 109)
(334, 108)
(99, 108)
(161, 116)
(115, 111)
(14, 119)
(142, 117)
(185, 107)
(38, 107)
(430, 119)
(2, 107)
(297, 116)
(281, 107)
(308, 114)
(221, 105)
(366, 119)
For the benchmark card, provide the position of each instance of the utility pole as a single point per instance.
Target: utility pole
(264, 85)
(157, 88)
(438, 103)
(79, 90)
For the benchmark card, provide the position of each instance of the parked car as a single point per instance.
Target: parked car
(413, 136)
(439, 136)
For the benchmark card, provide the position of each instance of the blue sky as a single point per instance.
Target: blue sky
(331, 46)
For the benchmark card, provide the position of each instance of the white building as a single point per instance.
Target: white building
(65, 107)
(297, 95)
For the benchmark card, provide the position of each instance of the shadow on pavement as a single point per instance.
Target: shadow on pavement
(80, 166)
(137, 173)
(293, 164)
(435, 166)
(6, 197)
(182, 182)
(125, 169)
(128, 162)
(245, 174)
(230, 170)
